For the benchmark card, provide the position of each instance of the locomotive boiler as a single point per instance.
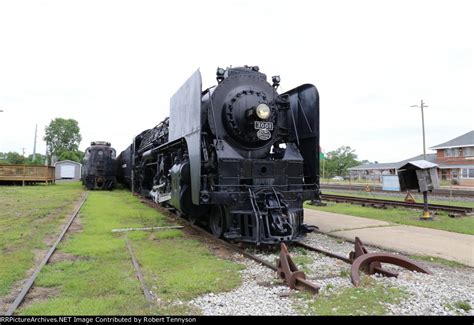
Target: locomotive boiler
(99, 166)
(238, 156)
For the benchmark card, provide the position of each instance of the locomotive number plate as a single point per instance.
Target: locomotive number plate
(259, 125)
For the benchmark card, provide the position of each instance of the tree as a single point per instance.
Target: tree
(15, 158)
(11, 158)
(62, 137)
(339, 160)
(72, 155)
(39, 159)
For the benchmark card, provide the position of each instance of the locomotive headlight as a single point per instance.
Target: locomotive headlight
(263, 111)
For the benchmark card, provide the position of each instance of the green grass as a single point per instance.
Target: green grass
(302, 262)
(401, 216)
(101, 280)
(182, 269)
(366, 300)
(459, 305)
(28, 215)
(464, 305)
(438, 260)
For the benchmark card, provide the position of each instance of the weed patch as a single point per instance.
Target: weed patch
(100, 279)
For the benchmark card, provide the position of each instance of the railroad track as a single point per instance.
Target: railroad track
(29, 283)
(376, 188)
(453, 210)
(360, 258)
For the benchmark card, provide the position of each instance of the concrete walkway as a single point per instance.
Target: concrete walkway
(406, 239)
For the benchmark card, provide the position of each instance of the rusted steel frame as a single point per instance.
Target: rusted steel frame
(288, 271)
(19, 299)
(374, 267)
(366, 259)
(380, 270)
(139, 273)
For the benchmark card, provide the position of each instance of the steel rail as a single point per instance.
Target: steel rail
(340, 257)
(377, 188)
(324, 252)
(19, 299)
(437, 207)
(139, 273)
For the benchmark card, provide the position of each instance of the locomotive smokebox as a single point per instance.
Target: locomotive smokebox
(243, 110)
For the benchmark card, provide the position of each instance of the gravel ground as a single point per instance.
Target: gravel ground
(437, 294)
(262, 293)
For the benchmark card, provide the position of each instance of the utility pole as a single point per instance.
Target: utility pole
(422, 125)
(34, 145)
(426, 213)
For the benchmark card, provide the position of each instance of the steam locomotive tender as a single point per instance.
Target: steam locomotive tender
(237, 156)
(99, 166)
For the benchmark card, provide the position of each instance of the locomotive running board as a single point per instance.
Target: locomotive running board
(288, 271)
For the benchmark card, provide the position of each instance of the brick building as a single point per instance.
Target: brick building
(455, 159)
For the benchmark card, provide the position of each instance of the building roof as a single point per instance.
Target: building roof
(465, 140)
(422, 164)
(431, 157)
(69, 161)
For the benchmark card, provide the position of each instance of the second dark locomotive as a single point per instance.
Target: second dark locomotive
(99, 166)
(237, 156)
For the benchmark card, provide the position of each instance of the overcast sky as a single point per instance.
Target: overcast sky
(113, 65)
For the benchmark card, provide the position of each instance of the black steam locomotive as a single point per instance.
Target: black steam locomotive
(237, 156)
(99, 166)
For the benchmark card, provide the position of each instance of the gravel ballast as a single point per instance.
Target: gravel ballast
(446, 292)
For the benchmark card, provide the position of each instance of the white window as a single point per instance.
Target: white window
(467, 173)
(469, 151)
(452, 152)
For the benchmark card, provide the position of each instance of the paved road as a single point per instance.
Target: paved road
(407, 239)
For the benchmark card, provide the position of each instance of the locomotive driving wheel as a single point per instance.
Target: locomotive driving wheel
(217, 220)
